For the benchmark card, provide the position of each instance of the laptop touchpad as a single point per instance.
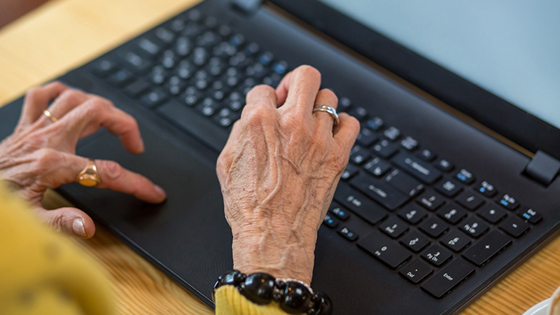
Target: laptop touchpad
(188, 232)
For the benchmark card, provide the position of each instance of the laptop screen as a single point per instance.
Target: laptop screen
(509, 48)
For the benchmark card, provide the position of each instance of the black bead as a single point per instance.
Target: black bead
(258, 288)
(297, 298)
(322, 305)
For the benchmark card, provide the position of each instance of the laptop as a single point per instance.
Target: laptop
(437, 204)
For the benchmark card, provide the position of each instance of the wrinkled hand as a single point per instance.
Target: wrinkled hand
(40, 154)
(278, 172)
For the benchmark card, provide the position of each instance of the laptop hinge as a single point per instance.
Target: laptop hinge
(543, 168)
(247, 6)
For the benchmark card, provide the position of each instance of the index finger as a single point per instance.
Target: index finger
(298, 89)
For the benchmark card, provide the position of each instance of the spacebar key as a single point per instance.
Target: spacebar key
(193, 123)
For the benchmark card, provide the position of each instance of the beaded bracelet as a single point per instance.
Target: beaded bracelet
(294, 297)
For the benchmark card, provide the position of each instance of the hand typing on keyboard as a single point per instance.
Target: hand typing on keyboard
(278, 172)
(40, 154)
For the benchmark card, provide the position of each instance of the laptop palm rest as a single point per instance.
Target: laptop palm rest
(188, 233)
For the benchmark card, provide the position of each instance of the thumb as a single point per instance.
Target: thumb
(70, 220)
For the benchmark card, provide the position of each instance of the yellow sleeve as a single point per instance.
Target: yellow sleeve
(43, 272)
(230, 302)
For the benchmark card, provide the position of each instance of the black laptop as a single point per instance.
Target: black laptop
(430, 213)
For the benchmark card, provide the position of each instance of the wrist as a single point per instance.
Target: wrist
(279, 256)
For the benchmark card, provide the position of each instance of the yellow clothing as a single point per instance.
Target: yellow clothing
(42, 272)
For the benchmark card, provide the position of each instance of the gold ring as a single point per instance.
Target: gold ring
(327, 109)
(88, 176)
(50, 116)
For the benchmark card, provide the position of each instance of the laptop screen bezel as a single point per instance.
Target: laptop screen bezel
(505, 118)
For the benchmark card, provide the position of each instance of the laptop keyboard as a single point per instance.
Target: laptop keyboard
(432, 221)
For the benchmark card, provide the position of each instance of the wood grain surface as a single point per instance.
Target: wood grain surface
(66, 33)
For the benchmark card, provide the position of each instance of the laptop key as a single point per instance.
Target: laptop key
(136, 63)
(417, 168)
(416, 271)
(379, 191)
(434, 227)
(528, 214)
(154, 98)
(384, 249)
(449, 188)
(375, 124)
(470, 200)
(437, 255)
(514, 226)
(366, 137)
(415, 241)
(412, 213)
(465, 176)
(103, 68)
(350, 171)
(508, 202)
(444, 165)
(385, 149)
(338, 211)
(487, 247)
(491, 213)
(359, 155)
(404, 183)
(347, 234)
(426, 155)
(392, 133)
(393, 227)
(455, 240)
(452, 213)
(120, 78)
(359, 204)
(409, 143)
(430, 200)
(330, 221)
(487, 189)
(359, 113)
(448, 278)
(136, 88)
(377, 167)
(474, 227)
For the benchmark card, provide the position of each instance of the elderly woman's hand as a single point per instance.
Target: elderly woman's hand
(279, 171)
(40, 154)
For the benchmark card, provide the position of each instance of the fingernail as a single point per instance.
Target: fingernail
(79, 228)
(160, 191)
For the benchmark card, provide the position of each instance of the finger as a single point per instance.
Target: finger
(299, 88)
(259, 96)
(67, 101)
(97, 112)
(70, 220)
(37, 100)
(346, 132)
(116, 177)
(325, 120)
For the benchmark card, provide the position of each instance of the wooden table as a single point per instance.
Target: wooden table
(66, 33)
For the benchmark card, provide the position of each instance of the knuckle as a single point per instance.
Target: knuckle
(111, 169)
(32, 94)
(257, 116)
(295, 120)
(330, 96)
(46, 158)
(309, 72)
(72, 96)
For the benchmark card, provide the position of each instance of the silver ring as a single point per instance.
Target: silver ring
(327, 109)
